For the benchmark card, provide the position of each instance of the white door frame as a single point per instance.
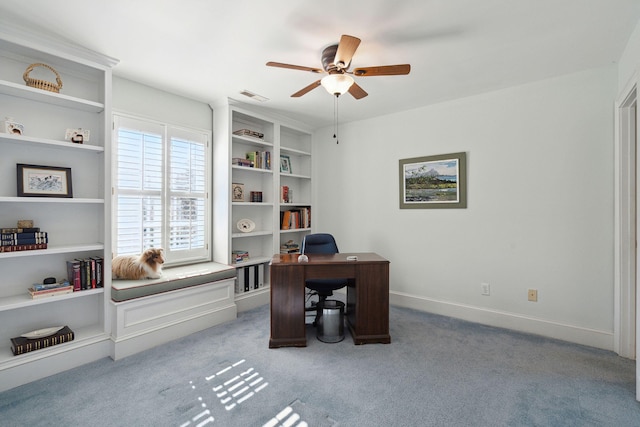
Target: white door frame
(625, 224)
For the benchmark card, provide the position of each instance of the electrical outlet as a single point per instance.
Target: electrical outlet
(485, 289)
(533, 295)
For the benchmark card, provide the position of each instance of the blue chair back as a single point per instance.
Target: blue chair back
(319, 243)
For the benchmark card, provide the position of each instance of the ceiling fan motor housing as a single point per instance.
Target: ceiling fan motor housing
(328, 56)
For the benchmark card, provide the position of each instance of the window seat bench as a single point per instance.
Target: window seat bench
(146, 313)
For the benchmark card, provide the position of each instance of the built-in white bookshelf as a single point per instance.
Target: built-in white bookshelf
(77, 227)
(279, 138)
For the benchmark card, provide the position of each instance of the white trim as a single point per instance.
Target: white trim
(502, 319)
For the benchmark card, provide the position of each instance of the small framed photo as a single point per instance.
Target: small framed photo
(237, 191)
(77, 135)
(285, 164)
(43, 181)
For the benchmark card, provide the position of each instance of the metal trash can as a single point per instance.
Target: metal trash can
(331, 322)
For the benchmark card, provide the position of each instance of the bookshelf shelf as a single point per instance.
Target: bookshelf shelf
(76, 226)
(286, 150)
(53, 143)
(84, 336)
(56, 99)
(280, 138)
(24, 300)
(251, 170)
(240, 139)
(79, 200)
(53, 249)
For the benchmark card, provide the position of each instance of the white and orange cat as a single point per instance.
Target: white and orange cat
(134, 267)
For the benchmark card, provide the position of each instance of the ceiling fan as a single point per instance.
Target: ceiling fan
(336, 60)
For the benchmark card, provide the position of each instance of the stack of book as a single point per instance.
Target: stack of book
(289, 247)
(238, 161)
(240, 256)
(22, 239)
(41, 338)
(86, 273)
(39, 290)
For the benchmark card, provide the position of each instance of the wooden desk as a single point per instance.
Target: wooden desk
(367, 311)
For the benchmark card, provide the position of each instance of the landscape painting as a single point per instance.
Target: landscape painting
(433, 182)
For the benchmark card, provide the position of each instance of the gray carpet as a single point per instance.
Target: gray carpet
(437, 371)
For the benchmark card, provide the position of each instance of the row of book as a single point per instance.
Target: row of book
(295, 218)
(86, 273)
(41, 339)
(249, 278)
(22, 239)
(254, 159)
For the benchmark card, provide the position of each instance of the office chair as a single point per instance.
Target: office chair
(321, 243)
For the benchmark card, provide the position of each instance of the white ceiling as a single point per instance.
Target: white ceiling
(213, 49)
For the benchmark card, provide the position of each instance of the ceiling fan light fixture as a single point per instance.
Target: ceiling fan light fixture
(337, 84)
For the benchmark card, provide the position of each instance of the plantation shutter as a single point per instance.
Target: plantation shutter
(160, 190)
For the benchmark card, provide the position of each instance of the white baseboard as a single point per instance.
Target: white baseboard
(501, 319)
(58, 359)
(250, 300)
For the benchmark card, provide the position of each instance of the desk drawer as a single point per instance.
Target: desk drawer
(334, 271)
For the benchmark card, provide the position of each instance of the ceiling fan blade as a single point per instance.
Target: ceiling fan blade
(383, 70)
(346, 48)
(357, 92)
(294, 67)
(306, 89)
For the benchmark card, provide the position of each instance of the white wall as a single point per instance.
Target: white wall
(138, 99)
(630, 59)
(540, 205)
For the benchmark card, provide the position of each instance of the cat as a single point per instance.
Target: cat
(134, 267)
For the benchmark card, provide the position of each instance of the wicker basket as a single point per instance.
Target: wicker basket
(42, 84)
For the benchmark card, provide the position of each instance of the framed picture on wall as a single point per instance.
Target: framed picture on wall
(434, 182)
(43, 181)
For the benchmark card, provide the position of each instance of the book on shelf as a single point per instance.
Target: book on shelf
(22, 344)
(46, 286)
(19, 230)
(25, 247)
(73, 274)
(46, 293)
(8, 241)
(99, 271)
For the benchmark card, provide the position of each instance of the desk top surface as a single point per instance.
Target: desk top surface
(319, 259)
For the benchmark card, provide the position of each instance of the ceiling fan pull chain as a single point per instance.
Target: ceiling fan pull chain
(335, 118)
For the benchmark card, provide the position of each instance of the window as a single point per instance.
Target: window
(161, 189)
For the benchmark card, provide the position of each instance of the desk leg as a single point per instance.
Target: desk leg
(287, 307)
(368, 305)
